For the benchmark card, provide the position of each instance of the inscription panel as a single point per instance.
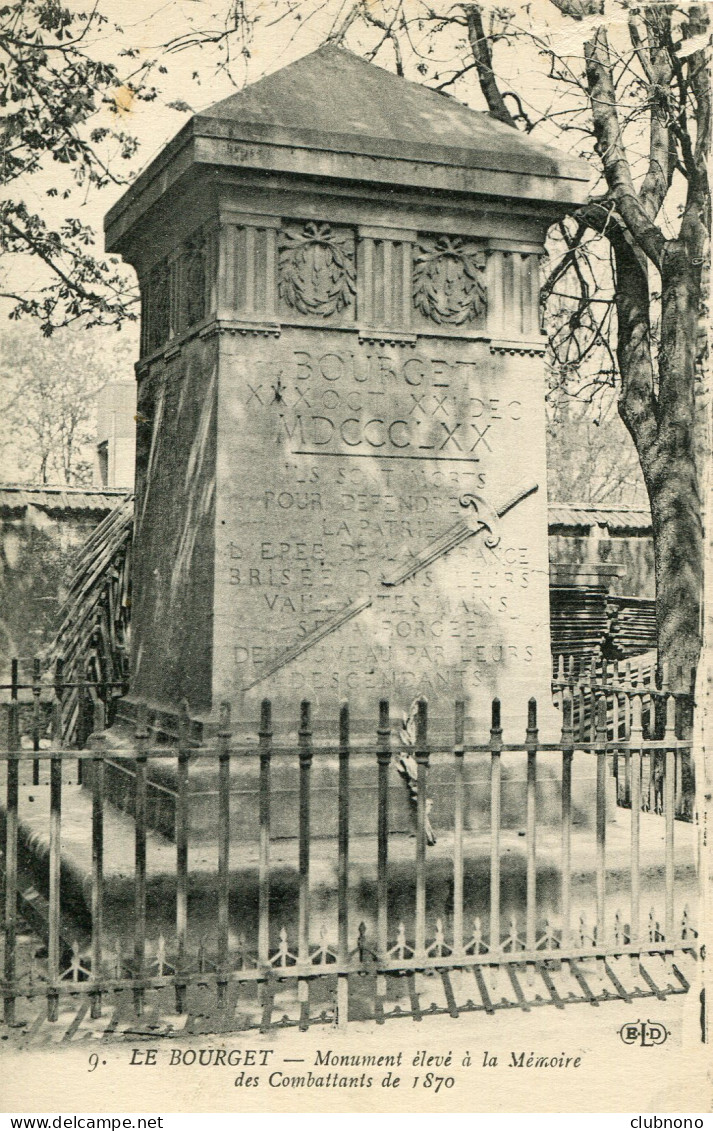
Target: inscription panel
(348, 561)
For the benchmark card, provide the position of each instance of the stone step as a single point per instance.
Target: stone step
(284, 792)
(76, 871)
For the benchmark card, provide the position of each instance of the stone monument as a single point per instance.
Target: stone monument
(340, 479)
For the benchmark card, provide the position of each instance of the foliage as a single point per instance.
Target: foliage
(62, 128)
(49, 390)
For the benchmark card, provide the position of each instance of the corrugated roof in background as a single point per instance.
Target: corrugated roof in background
(619, 520)
(17, 497)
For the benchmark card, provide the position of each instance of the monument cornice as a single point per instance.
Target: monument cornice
(520, 348)
(295, 193)
(257, 328)
(432, 169)
(246, 196)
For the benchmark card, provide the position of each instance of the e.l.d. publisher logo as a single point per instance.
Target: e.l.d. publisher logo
(644, 1033)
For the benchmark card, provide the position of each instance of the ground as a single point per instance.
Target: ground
(80, 1065)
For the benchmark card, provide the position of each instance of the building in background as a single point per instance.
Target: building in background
(42, 529)
(115, 451)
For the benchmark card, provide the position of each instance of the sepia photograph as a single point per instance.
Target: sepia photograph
(356, 511)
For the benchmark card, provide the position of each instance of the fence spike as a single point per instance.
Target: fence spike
(439, 940)
(400, 940)
(531, 722)
(477, 935)
(514, 940)
(361, 941)
(59, 679)
(241, 950)
(75, 965)
(282, 948)
(496, 730)
(617, 928)
(323, 943)
(161, 955)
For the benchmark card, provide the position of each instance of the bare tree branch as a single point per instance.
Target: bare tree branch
(662, 151)
(611, 149)
(337, 34)
(484, 64)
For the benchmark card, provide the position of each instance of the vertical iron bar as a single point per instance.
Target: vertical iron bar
(141, 736)
(624, 700)
(531, 823)
(669, 810)
(383, 754)
(459, 755)
(36, 714)
(11, 822)
(343, 866)
(650, 732)
(265, 740)
(678, 790)
(53, 955)
(592, 698)
(496, 745)
(80, 733)
(567, 755)
(635, 740)
(304, 740)
(224, 737)
(383, 758)
(98, 726)
(601, 801)
(181, 834)
(343, 833)
(581, 703)
(421, 754)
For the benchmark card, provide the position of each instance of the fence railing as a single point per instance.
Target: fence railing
(46, 693)
(302, 947)
(616, 683)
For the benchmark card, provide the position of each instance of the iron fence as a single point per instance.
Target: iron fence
(392, 946)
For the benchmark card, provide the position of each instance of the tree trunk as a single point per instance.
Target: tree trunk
(661, 423)
(671, 482)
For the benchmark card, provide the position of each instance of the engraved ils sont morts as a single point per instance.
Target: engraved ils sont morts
(340, 348)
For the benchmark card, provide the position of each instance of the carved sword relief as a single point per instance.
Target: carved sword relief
(484, 517)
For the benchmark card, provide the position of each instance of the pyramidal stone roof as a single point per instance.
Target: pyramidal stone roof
(333, 115)
(357, 106)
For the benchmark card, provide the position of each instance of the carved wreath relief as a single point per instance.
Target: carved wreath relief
(317, 269)
(448, 280)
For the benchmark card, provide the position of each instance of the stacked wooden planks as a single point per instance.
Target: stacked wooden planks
(93, 637)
